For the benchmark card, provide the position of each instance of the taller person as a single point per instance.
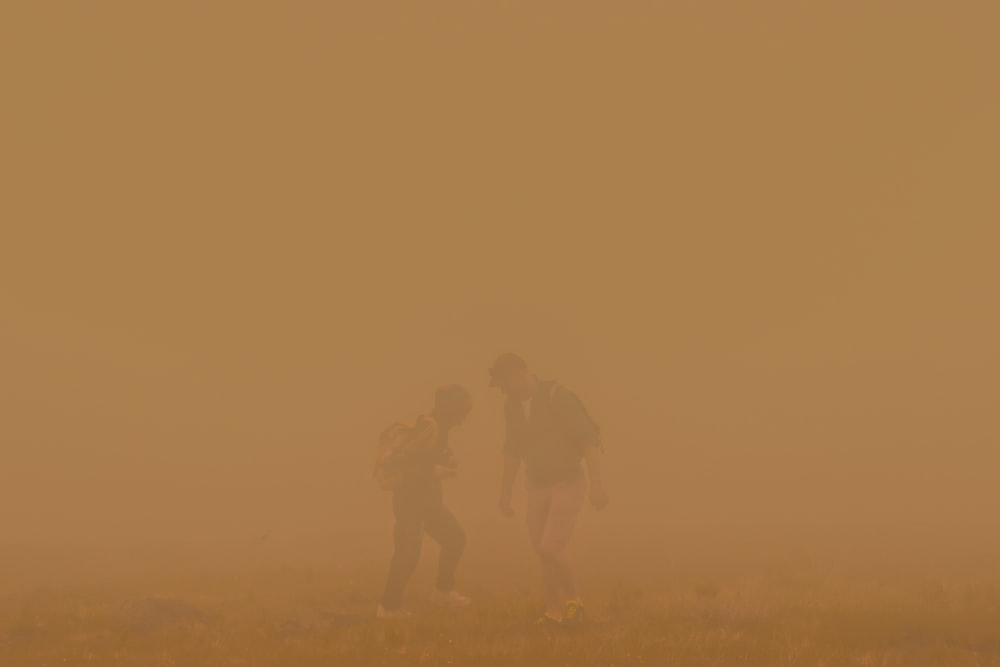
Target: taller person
(549, 430)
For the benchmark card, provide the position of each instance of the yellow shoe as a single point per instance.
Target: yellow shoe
(574, 615)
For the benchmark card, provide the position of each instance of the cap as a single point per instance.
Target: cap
(506, 365)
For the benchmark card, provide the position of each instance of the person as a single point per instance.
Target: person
(549, 430)
(413, 467)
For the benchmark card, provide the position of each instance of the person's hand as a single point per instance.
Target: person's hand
(506, 509)
(598, 496)
(444, 472)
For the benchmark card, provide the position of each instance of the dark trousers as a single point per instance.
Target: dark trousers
(420, 509)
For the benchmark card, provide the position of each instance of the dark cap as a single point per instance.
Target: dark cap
(506, 365)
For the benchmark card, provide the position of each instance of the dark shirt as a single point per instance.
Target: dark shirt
(552, 438)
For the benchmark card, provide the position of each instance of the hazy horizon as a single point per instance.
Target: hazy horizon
(235, 245)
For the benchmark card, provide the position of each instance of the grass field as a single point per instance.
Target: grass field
(300, 618)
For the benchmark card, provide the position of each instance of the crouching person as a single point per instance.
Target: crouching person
(414, 458)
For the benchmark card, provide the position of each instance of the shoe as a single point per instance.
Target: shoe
(392, 614)
(574, 615)
(451, 598)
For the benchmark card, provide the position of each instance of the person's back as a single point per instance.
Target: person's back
(550, 432)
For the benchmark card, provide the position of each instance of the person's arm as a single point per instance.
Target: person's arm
(415, 464)
(446, 466)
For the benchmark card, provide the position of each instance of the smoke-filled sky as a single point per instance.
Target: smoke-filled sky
(237, 239)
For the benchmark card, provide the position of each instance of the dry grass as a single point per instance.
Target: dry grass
(300, 619)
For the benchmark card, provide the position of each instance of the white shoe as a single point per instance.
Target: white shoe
(452, 599)
(392, 614)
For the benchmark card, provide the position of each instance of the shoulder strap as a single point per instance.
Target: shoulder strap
(546, 393)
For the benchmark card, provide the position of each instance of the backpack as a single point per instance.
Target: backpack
(397, 443)
(553, 387)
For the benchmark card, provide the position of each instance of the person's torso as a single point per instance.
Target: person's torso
(549, 451)
(421, 478)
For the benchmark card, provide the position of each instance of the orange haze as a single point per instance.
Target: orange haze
(238, 239)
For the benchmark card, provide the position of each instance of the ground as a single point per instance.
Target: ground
(301, 618)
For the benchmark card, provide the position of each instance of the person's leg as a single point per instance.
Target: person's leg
(407, 536)
(537, 515)
(566, 501)
(443, 528)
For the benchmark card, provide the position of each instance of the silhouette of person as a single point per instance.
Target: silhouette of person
(413, 467)
(549, 430)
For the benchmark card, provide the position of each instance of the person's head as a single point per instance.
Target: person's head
(510, 373)
(452, 404)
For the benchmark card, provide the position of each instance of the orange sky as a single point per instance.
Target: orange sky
(237, 239)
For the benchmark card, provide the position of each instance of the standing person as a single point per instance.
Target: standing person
(549, 430)
(414, 457)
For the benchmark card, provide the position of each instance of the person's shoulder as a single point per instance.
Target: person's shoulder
(564, 398)
(560, 392)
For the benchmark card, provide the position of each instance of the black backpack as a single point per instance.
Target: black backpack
(550, 394)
